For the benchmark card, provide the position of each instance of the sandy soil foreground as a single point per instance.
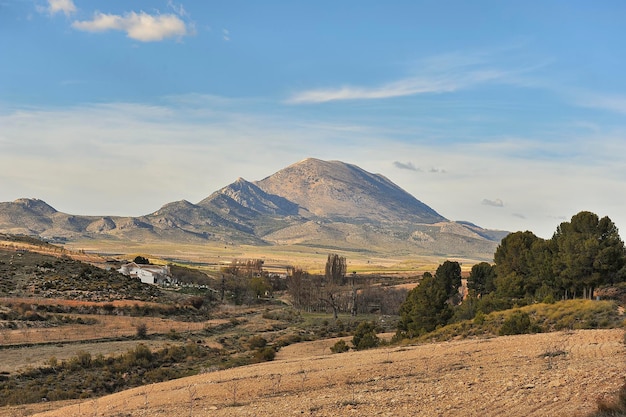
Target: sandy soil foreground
(554, 374)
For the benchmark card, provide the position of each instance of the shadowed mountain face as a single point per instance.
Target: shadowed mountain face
(329, 204)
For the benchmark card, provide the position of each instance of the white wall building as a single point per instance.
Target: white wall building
(148, 274)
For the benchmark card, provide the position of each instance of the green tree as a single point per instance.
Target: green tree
(514, 265)
(590, 252)
(259, 286)
(449, 274)
(425, 308)
(140, 260)
(481, 280)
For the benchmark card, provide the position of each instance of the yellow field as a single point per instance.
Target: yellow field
(209, 257)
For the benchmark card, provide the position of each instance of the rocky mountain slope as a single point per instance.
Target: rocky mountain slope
(341, 192)
(329, 204)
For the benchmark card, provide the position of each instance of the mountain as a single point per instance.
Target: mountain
(326, 204)
(342, 192)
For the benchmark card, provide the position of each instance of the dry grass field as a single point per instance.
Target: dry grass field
(210, 256)
(549, 374)
(106, 327)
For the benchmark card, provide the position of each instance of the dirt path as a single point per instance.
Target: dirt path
(554, 374)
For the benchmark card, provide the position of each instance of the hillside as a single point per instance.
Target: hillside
(48, 271)
(549, 374)
(326, 204)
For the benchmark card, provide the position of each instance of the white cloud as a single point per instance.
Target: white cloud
(424, 84)
(140, 26)
(89, 159)
(66, 7)
(493, 203)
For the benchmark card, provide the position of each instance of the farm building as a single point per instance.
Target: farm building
(148, 274)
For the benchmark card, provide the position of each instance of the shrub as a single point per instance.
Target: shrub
(365, 336)
(257, 342)
(518, 322)
(264, 354)
(479, 318)
(142, 330)
(615, 408)
(340, 347)
(196, 302)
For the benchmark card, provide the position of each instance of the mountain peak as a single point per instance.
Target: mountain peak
(250, 196)
(340, 191)
(36, 205)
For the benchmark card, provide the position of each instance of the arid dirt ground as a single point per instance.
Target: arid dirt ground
(553, 374)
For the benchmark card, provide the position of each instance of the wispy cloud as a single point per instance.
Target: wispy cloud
(140, 26)
(610, 102)
(493, 203)
(67, 7)
(437, 74)
(177, 8)
(82, 154)
(405, 87)
(407, 165)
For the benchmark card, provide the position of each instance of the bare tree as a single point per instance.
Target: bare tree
(335, 270)
(296, 285)
(234, 384)
(335, 273)
(192, 390)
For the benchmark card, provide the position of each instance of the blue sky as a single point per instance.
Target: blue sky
(511, 115)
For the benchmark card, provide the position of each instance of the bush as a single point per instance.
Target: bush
(518, 322)
(365, 336)
(196, 302)
(257, 342)
(264, 354)
(615, 408)
(340, 347)
(142, 330)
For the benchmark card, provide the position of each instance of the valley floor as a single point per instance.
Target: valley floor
(551, 374)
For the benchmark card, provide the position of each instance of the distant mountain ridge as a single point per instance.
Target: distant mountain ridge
(329, 204)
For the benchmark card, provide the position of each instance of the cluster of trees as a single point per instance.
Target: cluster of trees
(583, 254)
(430, 304)
(339, 292)
(245, 282)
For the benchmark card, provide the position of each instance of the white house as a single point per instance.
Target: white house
(148, 274)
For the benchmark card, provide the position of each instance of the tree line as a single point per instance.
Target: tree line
(582, 255)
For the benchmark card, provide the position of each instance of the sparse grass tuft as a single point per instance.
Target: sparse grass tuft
(612, 408)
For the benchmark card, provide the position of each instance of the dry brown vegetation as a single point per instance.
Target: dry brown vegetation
(551, 374)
